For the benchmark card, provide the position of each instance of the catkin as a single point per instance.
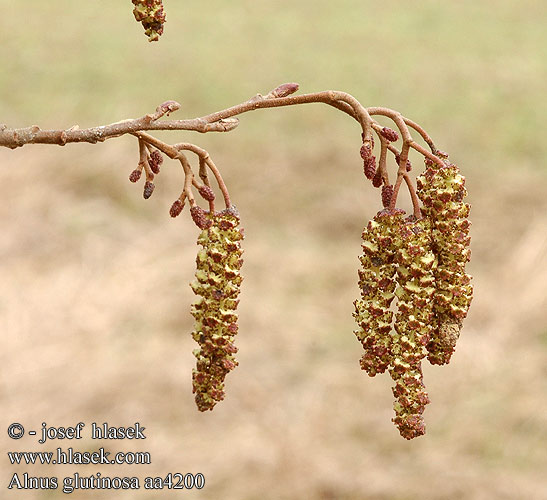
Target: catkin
(217, 284)
(377, 285)
(413, 324)
(151, 15)
(442, 190)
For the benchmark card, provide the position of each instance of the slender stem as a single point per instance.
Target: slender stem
(203, 154)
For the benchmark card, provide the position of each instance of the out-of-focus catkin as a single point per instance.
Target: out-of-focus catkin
(217, 285)
(151, 15)
(377, 285)
(442, 190)
(413, 324)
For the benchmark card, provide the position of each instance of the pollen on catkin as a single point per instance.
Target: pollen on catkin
(442, 190)
(413, 324)
(377, 285)
(217, 286)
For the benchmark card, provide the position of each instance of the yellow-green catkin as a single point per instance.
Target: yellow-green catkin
(442, 190)
(377, 285)
(413, 324)
(151, 15)
(217, 284)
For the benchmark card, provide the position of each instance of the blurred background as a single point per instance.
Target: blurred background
(94, 295)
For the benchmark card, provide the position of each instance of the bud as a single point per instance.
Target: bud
(135, 175)
(148, 189)
(365, 152)
(285, 90)
(369, 167)
(389, 134)
(156, 159)
(387, 194)
(200, 218)
(206, 193)
(176, 208)
(377, 179)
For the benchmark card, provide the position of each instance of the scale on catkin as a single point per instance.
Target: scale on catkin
(419, 263)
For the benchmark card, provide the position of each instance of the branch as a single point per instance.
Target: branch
(225, 121)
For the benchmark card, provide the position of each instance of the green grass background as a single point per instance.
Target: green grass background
(94, 297)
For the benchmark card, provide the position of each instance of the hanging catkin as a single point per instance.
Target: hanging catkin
(442, 190)
(217, 284)
(413, 324)
(151, 15)
(377, 285)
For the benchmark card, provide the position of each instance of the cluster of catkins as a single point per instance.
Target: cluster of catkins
(217, 285)
(421, 264)
(151, 15)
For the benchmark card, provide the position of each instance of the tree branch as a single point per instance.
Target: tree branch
(225, 121)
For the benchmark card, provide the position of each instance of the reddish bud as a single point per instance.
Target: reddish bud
(389, 134)
(199, 216)
(176, 208)
(365, 151)
(387, 194)
(169, 106)
(135, 175)
(206, 193)
(285, 90)
(148, 189)
(155, 160)
(377, 180)
(369, 167)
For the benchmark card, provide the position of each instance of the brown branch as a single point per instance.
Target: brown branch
(225, 121)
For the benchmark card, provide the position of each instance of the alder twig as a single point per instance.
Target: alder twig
(225, 121)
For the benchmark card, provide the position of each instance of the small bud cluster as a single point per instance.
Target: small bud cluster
(442, 190)
(151, 15)
(377, 284)
(217, 284)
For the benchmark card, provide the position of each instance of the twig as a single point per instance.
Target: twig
(225, 121)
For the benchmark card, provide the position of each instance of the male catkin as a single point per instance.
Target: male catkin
(413, 324)
(217, 284)
(442, 190)
(377, 285)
